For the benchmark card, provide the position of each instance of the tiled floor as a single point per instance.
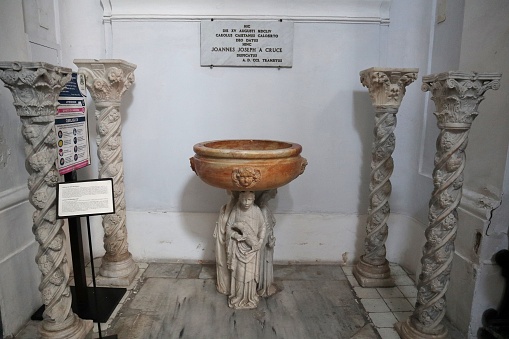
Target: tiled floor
(386, 306)
(169, 300)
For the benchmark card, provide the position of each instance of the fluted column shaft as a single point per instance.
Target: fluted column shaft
(457, 96)
(106, 81)
(35, 88)
(386, 87)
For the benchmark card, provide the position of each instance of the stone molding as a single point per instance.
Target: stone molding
(106, 81)
(35, 88)
(13, 196)
(457, 96)
(344, 11)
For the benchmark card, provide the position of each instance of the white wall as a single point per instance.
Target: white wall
(19, 276)
(318, 103)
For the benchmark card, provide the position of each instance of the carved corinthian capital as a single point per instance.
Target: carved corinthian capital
(457, 96)
(106, 81)
(386, 87)
(35, 88)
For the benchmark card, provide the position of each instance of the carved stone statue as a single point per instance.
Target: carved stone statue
(245, 234)
(223, 274)
(265, 285)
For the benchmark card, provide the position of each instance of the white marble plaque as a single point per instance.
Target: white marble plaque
(246, 43)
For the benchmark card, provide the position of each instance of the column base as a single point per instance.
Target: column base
(368, 275)
(407, 331)
(76, 329)
(117, 273)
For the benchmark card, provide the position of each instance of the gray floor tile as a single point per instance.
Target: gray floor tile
(399, 304)
(390, 292)
(308, 272)
(388, 333)
(402, 316)
(408, 291)
(208, 271)
(403, 280)
(191, 308)
(189, 271)
(374, 305)
(160, 270)
(366, 293)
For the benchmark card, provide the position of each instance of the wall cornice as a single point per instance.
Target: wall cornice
(340, 11)
(13, 196)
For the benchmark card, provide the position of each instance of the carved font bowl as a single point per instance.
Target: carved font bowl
(247, 165)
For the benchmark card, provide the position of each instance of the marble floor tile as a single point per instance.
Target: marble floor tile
(390, 292)
(399, 304)
(388, 333)
(191, 308)
(313, 301)
(401, 280)
(160, 270)
(408, 291)
(412, 301)
(397, 270)
(402, 316)
(308, 272)
(348, 270)
(374, 305)
(353, 282)
(366, 293)
(384, 319)
(189, 271)
(366, 332)
(208, 272)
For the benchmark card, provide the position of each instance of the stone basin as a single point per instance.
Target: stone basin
(242, 165)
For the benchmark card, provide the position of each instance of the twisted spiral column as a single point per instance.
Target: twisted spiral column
(457, 96)
(35, 88)
(106, 81)
(386, 87)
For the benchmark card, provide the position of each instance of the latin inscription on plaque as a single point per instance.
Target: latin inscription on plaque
(246, 43)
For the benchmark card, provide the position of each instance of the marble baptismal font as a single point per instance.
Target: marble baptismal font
(250, 171)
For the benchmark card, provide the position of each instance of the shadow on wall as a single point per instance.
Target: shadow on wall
(126, 101)
(364, 121)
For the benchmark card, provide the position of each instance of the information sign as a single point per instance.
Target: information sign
(82, 198)
(71, 126)
(246, 43)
